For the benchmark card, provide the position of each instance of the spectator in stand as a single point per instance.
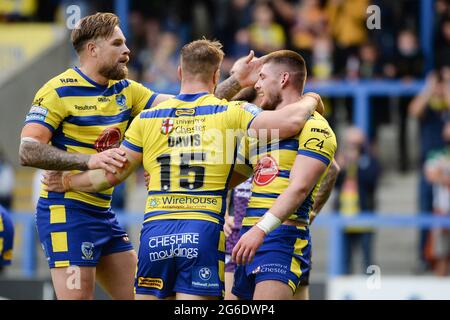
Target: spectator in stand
(162, 73)
(442, 45)
(347, 26)
(437, 172)
(307, 21)
(431, 108)
(7, 181)
(406, 65)
(356, 188)
(265, 34)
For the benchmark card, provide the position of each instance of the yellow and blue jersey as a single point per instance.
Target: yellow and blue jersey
(87, 117)
(272, 163)
(6, 238)
(189, 144)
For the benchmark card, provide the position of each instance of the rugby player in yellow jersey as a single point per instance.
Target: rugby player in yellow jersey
(184, 145)
(75, 120)
(273, 252)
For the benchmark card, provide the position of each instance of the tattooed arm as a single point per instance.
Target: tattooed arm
(228, 88)
(35, 152)
(246, 94)
(325, 189)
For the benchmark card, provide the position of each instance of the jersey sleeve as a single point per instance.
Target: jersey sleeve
(133, 136)
(317, 140)
(143, 97)
(47, 109)
(240, 114)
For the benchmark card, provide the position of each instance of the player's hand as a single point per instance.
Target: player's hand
(53, 181)
(320, 108)
(244, 251)
(246, 71)
(108, 160)
(146, 178)
(228, 225)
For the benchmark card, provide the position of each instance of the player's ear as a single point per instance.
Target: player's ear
(284, 79)
(91, 49)
(179, 73)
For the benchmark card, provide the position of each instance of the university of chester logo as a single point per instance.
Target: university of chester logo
(167, 126)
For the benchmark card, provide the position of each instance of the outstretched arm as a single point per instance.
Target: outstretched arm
(34, 151)
(304, 176)
(288, 121)
(92, 180)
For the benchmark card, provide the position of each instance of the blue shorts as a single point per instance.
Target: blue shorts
(74, 233)
(285, 256)
(6, 238)
(185, 256)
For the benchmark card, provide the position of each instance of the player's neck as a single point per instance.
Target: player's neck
(288, 97)
(94, 75)
(192, 87)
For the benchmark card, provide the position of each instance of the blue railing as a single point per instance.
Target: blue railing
(334, 224)
(361, 92)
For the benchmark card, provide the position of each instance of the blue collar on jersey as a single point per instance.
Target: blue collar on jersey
(189, 97)
(98, 85)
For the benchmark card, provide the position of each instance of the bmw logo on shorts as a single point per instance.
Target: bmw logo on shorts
(205, 274)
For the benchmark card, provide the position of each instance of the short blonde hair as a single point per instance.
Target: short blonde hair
(99, 25)
(201, 58)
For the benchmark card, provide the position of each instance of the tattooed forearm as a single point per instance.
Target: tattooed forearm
(228, 88)
(44, 156)
(246, 94)
(326, 187)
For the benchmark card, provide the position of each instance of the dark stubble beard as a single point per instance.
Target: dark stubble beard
(114, 72)
(273, 101)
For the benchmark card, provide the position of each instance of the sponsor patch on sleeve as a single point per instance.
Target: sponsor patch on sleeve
(38, 110)
(34, 117)
(252, 108)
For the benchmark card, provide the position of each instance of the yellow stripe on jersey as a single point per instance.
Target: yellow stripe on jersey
(1, 245)
(184, 216)
(292, 285)
(189, 144)
(2, 227)
(87, 117)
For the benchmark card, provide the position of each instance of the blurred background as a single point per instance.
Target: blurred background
(383, 70)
